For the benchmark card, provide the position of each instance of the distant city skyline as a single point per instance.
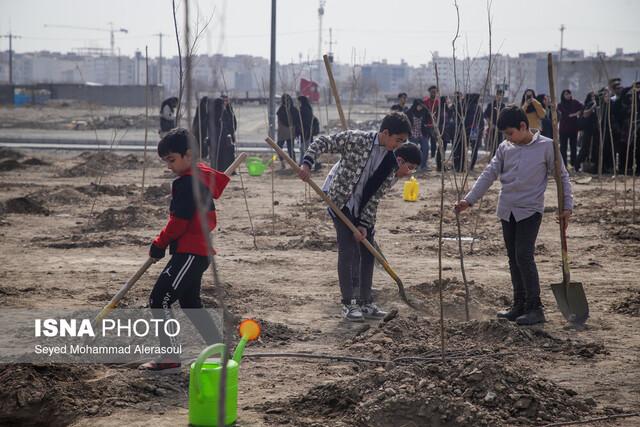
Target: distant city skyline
(372, 30)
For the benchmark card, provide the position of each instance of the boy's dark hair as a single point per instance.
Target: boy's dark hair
(431, 87)
(396, 123)
(511, 117)
(409, 152)
(500, 92)
(176, 141)
(401, 94)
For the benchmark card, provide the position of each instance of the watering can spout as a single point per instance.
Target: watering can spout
(249, 331)
(237, 355)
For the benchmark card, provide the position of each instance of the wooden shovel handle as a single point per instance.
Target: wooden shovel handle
(334, 90)
(566, 274)
(235, 164)
(123, 291)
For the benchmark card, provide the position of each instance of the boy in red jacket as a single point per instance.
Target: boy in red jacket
(181, 278)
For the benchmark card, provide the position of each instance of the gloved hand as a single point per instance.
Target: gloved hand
(156, 252)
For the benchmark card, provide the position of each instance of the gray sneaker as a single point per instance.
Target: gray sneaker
(352, 312)
(371, 311)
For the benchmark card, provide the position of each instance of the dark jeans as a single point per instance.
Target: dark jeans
(520, 240)
(353, 258)
(423, 143)
(572, 140)
(431, 136)
(290, 151)
(180, 281)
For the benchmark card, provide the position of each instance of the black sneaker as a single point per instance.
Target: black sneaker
(531, 317)
(352, 312)
(372, 311)
(512, 314)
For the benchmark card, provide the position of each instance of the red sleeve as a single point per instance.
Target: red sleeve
(220, 181)
(173, 230)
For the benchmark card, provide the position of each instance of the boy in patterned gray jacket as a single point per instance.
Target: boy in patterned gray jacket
(367, 169)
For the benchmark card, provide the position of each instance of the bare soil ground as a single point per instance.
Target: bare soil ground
(75, 226)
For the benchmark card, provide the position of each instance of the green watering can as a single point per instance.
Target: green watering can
(204, 380)
(256, 167)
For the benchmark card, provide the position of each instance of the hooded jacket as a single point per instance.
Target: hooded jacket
(183, 232)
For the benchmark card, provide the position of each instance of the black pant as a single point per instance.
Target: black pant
(475, 146)
(585, 149)
(445, 142)
(355, 263)
(431, 135)
(290, 150)
(570, 138)
(180, 281)
(520, 240)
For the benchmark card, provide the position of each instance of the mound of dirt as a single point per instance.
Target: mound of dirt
(413, 336)
(157, 193)
(503, 334)
(25, 205)
(10, 164)
(482, 297)
(603, 214)
(8, 153)
(460, 393)
(628, 232)
(313, 242)
(33, 161)
(129, 217)
(276, 332)
(56, 395)
(95, 164)
(94, 189)
(99, 240)
(629, 305)
(62, 196)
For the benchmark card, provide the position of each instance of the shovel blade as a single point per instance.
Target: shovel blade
(572, 301)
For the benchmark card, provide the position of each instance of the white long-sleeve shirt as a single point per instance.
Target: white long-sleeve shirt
(523, 172)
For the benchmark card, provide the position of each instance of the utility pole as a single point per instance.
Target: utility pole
(331, 43)
(11, 36)
(272, 74)
(160, 57)
(562, 28)
(138, 58)
(320, 15)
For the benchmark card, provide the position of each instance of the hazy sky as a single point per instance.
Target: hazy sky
(377, 29)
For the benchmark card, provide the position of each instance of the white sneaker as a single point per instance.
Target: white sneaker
(372, 311)
(352, 312)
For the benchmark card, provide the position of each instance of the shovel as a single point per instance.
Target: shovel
(569, 295)
(129, 284)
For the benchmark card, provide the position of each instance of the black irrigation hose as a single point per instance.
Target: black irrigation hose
(592, 420)
(449, 355)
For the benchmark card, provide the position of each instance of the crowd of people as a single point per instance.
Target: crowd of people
(596, 136)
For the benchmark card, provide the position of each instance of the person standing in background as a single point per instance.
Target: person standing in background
(401, 106)
(533, 109)
(432, 102)
(417, 115)
(546, 124)
(288, 125)
(570, 110)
